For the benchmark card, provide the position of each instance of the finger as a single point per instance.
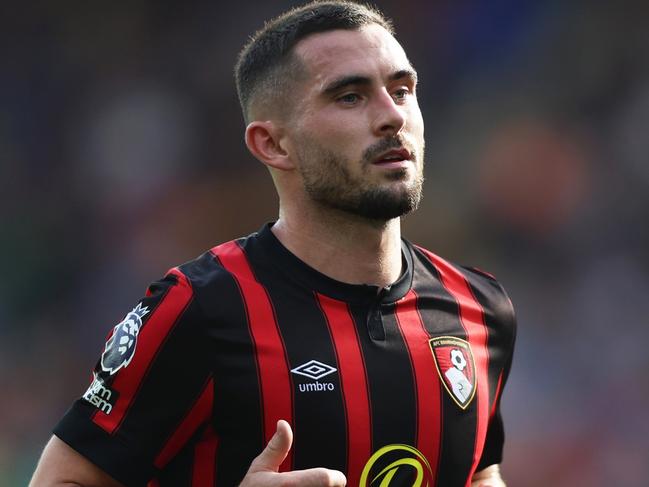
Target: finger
(276, 450)
(315, 477)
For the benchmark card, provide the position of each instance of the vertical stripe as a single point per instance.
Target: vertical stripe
(307, 337)
(276, 387)
(151, 337)
(199, 414)
(473, 321)
(427, 385)
(351, 369)
(499, 386)
(204, 468)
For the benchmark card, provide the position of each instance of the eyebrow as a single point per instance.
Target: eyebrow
(356, 80)
(404, 73)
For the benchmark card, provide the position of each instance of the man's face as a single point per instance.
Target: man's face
(357, 135)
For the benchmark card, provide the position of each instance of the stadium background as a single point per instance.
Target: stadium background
(121, 154)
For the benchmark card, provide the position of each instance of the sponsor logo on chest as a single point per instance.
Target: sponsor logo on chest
(315, 371)
(397, 464)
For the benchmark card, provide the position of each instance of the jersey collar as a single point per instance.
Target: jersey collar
(296, 269)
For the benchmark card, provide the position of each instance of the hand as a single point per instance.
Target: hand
(263, 471)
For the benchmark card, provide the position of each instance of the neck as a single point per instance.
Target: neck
(343, 246)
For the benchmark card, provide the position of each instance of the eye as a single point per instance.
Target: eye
(401, 94)
(349, 98)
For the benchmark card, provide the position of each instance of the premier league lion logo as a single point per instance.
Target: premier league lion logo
(120, 347)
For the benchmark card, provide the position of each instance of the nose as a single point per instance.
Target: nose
(389, 117)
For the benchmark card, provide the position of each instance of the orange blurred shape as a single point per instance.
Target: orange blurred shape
(533, 176)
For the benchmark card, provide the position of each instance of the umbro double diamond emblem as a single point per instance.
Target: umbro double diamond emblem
(314, 370)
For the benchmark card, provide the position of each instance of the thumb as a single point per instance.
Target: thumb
(276, 450)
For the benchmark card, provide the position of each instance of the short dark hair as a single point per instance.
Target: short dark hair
(266, 66)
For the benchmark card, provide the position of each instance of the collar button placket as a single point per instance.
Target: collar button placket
(375, 326)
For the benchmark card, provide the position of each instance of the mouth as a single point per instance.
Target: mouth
(394, 159)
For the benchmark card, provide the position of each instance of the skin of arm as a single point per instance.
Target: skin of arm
(62, 466)
(488, 477)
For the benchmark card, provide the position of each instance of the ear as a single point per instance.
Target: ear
(264, 141)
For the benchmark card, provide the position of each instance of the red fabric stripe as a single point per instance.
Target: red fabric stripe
(427, 383)
(276, 387)
(351, 369)
(496, 396)
(472, 318)
(204, 471)
(151, 336)
(199, 413)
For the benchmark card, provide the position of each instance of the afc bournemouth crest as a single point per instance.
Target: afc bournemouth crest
(120, 347)
(456, 368)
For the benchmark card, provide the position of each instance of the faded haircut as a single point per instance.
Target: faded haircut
(267, 65)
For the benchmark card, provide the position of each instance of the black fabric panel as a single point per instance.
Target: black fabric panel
(493, 450)
(393, 399)
(179, 471)
(107, 452)
(458, 439)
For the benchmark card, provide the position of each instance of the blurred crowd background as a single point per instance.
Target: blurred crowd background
(122, 154)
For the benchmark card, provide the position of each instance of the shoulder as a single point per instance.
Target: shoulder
(471, 283)
(494, 298)
(212, 268)
(187, 281)
(453, 274)
(213, 279)
(204, 271)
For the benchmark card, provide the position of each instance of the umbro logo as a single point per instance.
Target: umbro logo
(315, 370)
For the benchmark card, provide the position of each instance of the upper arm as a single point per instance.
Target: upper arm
(60, 465)
(152, 374)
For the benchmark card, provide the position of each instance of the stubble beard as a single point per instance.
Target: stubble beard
(329, 181)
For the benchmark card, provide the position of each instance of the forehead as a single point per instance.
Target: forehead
(369, 51)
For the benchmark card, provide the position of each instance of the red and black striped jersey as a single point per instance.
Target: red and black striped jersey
(392, 386)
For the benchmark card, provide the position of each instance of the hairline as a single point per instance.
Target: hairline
(267, 65)
(291, 59)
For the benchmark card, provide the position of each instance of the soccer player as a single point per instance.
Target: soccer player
(323, 350)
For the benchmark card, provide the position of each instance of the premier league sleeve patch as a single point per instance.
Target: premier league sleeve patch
(456, 368)
(120, 347)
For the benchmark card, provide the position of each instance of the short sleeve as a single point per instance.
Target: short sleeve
(502, 341)
(152, 387)
(494, 443)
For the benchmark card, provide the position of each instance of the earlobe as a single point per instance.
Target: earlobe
(263, 140)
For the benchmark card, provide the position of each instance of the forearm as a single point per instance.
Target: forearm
(488, 477)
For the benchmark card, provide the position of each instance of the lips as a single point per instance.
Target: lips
(394, 156)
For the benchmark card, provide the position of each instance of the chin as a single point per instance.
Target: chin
(400, 174)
